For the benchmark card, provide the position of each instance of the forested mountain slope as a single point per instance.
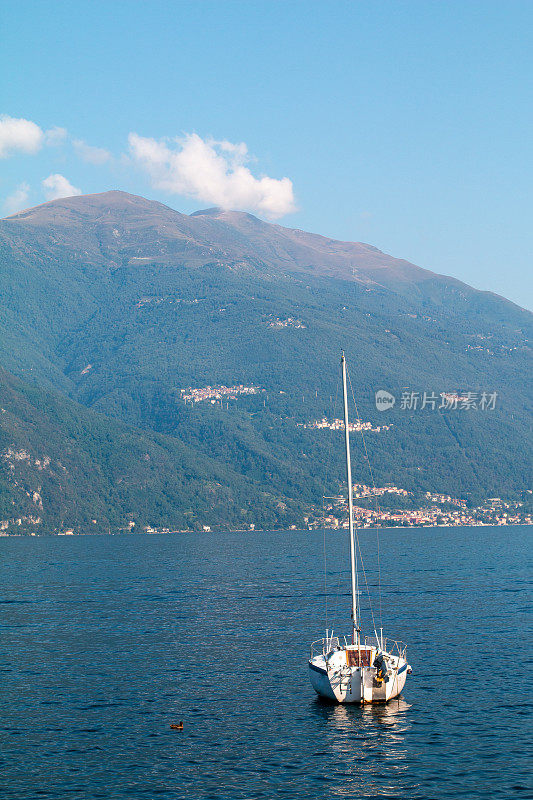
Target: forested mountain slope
(117, 304)
(64, 466)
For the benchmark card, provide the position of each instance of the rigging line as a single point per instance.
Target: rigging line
(341, 581)
(341, 574)
(325, 562)
(328, 464)
(366, 582)
(375, 497)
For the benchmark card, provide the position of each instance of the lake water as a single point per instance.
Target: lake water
(107, 641)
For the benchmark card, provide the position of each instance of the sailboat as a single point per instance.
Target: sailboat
(353, 668)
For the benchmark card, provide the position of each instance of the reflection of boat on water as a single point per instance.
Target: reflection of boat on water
(355, 669)
(367, 743)
(391, 716)
(393, 711)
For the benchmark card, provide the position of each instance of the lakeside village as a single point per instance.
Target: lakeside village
(435, 510)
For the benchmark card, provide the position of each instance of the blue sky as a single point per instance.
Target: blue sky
(407, 125)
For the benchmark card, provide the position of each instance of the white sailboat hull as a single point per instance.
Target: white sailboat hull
(347, 685)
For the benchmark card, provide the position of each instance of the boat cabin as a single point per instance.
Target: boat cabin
(358, 656)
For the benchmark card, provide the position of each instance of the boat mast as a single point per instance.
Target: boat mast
(356, 629)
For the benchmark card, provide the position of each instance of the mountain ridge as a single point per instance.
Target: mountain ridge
(290, 249)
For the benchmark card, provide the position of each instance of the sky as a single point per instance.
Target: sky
(407, 125)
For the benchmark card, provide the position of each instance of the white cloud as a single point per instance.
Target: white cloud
(56, 186)
(55, 136)
(19, 135)
(18, 200)
(211, 172)
(93, 155)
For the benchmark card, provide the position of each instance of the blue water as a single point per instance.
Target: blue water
(107, 641)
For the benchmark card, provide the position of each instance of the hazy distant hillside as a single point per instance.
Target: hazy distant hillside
(120, 303)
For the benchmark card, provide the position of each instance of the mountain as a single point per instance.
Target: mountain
(115, 304)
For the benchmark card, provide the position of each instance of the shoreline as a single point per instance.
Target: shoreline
(224, 531)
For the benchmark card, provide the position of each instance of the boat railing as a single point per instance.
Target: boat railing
(324, 646)
(392, 646)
